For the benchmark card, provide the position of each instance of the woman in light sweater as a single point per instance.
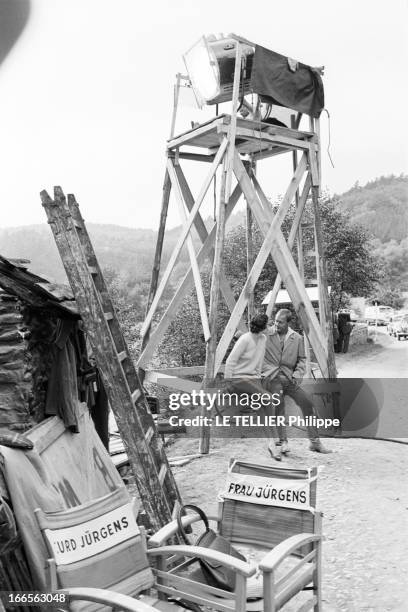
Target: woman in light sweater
(244, 365)
(246, 358)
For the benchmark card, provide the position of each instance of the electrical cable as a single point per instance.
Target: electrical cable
(243, 66)
(329, 135)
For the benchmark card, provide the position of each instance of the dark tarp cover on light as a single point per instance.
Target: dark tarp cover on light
(272, 78)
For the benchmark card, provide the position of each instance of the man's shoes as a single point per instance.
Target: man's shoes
(284, 447)
(275, 453)
(318, 447)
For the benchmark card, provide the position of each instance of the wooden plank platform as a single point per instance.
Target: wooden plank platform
(248, 136)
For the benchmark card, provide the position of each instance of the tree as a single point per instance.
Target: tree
(389, 297)
(352, 270)
(125, 309)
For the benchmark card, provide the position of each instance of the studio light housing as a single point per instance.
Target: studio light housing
(210, 64)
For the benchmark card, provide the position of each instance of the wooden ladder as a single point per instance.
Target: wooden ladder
(154, 479)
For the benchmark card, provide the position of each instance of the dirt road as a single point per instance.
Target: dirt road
(383, 365)
(385, 358)
(363, 495)
(362, 492)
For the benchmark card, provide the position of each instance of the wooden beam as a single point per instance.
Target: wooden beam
(319, 153)
(269, 237)
(191, 134)
(183, 289)
(191, 252)
(159, 249)
(289, 272)
(324, 300)
(313, 165)
(176, 92)
(250, 256)
(247, 290)
(181, 370)
(226, 182)
(291, 239)
(232, 128)
(289, 195)
(295, 122)
(270, 152)
(195, 157)
(169, 381)
(283, 141)
(184, 233)
(202, 232)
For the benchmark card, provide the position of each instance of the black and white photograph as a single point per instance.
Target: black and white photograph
(203, 306)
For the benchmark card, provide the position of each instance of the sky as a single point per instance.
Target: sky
(86, 97)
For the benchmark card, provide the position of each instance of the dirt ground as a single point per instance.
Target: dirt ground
(362, 492)
(363, 495)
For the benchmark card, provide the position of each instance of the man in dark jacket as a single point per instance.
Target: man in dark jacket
(345, 329)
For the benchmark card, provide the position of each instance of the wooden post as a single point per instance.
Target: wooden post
(233, 124)
(250, 252)
(193, 261)
(299, 245)
(176, 92)
(250, 258)
(158, 253)
(204, 445)
(314, 168)
(323, 289)
(226, 182)
(319, 153)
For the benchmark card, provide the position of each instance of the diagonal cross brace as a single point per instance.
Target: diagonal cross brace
(291, 240)
(287, 269)
(264, 252)
(184, 287)
(226, 290)
(191, 252)
(182, 238)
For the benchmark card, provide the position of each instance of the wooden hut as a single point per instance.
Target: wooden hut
(45, 370)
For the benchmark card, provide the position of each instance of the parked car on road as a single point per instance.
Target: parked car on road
(379, 315)
(399, 326)
(392, 322)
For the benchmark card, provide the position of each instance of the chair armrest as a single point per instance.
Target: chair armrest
(241, 567)
(108, 598)
(285, 549)
(169, 530)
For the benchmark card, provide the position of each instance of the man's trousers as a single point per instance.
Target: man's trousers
(299, 396)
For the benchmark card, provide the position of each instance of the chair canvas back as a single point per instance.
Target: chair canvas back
(268, 523)
(98, 544)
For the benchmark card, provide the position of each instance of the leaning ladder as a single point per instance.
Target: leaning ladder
(157, 488)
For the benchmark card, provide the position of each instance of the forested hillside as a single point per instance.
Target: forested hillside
(126, 255)
(127, 250)
(381, 206)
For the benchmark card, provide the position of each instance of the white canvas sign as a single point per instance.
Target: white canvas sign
(92, 537)
(268, 491)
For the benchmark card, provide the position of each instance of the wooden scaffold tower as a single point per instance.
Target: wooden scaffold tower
(237, 144)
